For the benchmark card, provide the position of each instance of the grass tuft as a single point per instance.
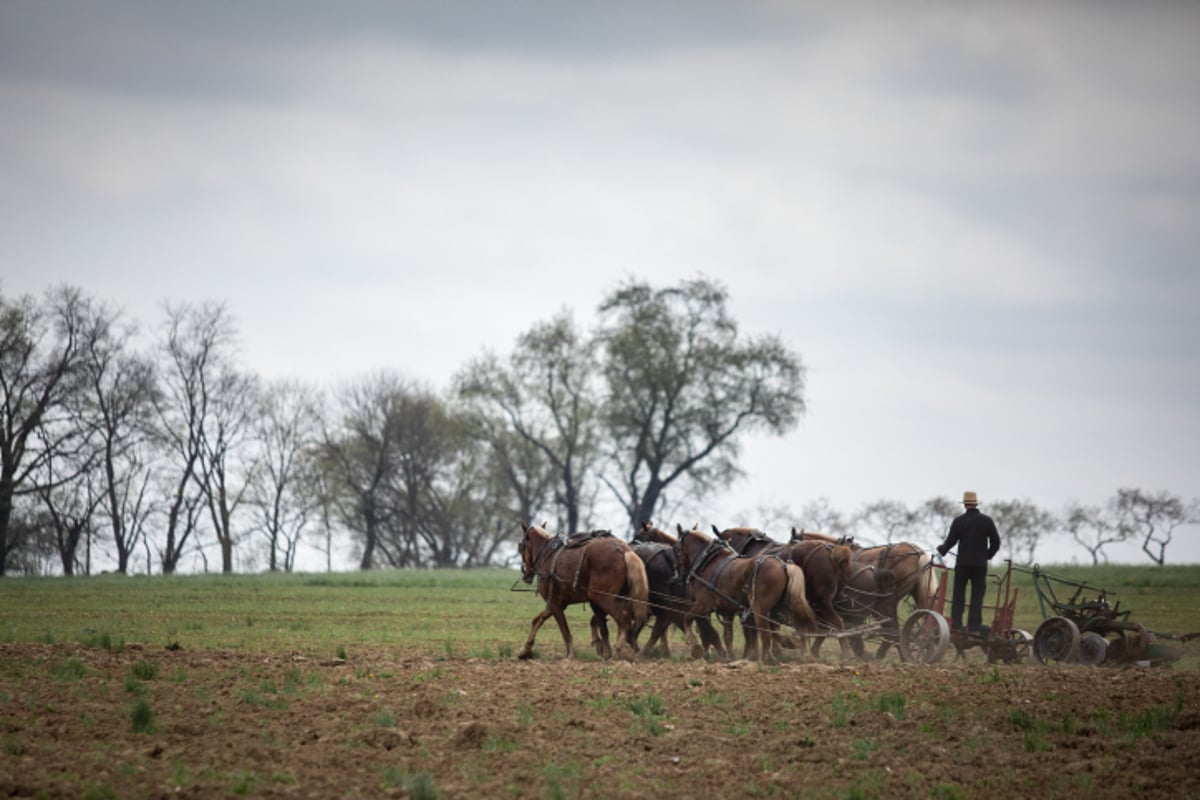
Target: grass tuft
(142, 716)
(144, 670)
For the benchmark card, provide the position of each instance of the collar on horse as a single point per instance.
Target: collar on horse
(751, 537)
(715, 547)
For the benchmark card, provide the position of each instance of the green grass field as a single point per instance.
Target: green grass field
(458, 613)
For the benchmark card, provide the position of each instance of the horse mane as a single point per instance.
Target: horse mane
(650, 534)
(812, 536)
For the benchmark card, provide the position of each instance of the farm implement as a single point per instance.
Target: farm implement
(1080, 625)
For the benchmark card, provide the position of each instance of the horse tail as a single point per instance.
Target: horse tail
(926, 582)
(797, 601)
(637, 588)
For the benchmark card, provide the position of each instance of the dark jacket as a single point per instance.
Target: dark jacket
(976, 536)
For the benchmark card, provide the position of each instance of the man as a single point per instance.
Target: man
(978, 540)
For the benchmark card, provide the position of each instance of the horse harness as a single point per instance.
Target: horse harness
(826, 547)
(559, 544)
(710, 552)
(755, 537)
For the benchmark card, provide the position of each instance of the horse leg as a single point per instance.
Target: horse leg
(527, 650)
(564, 629)
(769, 643)
(709, 635)
(763, 628)
(890, 635)
(815, 648)
(856, 645)
(750, 635)
(689, 634)
(599, 627)
(662, 630)
(662, 624)
(727, 626)
(830, 615)
(626, 632)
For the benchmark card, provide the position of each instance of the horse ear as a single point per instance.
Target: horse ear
(524, 527)
(679, 528)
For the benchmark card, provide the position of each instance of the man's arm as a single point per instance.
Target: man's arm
(993, 540)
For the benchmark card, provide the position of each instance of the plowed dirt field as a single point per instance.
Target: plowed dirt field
(150, 722)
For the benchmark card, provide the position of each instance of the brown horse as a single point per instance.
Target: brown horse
(596, 568)
(826, 569)
(758, 588)
(869, 594)
(911, 566)
(669, 600)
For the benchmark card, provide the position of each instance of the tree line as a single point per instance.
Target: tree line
(1149, 519)
(155, 450)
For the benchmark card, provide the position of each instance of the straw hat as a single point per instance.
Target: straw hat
(970, 500)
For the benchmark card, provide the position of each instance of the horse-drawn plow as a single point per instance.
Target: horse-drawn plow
(820, 589)
(1080, 625)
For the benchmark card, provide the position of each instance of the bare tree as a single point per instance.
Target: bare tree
(120, 392)
(891, 518)
(287, 432)
(1022, 526)
(40, 347)
(819, 515)
(34, 550)
(360, 460)
(1093, 529)
(682, 389)
(222, 475)
(933, 518)
(195, 344)
(1153, 518)
(425, 495)
(70, 510)
(538, 413)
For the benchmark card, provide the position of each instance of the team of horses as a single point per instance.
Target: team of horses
(817, 585)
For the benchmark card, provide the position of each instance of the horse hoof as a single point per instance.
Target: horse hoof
(525, 655)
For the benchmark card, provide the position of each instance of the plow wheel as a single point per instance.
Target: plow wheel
(1057, 639)
(1130, 644)
(924, 638)
(1015, 647)
(1093, 648)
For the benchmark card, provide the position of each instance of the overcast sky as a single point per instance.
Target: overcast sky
(977, 223)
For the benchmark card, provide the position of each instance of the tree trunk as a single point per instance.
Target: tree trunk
(370, 526)
(6, 509)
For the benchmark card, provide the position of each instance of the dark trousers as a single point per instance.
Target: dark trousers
(977, 577)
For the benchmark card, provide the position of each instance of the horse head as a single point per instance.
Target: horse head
(651, 534)
(695, 546)
(532, 544)
(688, 546)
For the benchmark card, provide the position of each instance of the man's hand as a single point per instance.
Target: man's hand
(941, 548)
